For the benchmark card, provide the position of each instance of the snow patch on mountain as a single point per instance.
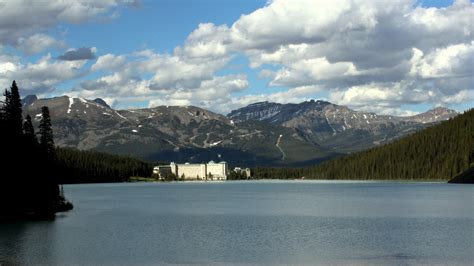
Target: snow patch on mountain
(71, 102)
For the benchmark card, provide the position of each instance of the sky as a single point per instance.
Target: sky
(383, 56)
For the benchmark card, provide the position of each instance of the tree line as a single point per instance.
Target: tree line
(28, 184)
(75, 166)
(439, 152)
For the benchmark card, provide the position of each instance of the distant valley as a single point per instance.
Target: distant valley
(261, 134)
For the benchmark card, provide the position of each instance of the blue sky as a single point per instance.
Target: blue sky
(392, 57)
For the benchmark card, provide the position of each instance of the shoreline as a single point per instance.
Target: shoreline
(322, 181)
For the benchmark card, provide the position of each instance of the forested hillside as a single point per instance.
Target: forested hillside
(76, 166)
(439, 152)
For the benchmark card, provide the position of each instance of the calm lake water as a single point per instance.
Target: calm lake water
(258, 222)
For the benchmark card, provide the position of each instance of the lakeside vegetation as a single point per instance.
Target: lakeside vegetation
(28, 185)
(440, 152)
(75, 166)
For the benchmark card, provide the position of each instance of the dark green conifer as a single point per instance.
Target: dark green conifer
(13, 111)
(33, 190)
(46, 132)
(29, 132)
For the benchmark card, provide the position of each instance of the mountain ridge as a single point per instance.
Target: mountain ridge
(190, 133)
(325, 122)
(173, 133)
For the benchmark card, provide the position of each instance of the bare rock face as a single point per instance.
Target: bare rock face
(260, 134)
(28, 100)
(101, 102)
(432, 116)
(338, 127)
(173, 133)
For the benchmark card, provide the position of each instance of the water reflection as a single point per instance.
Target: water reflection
(27, 242)
(251, 223)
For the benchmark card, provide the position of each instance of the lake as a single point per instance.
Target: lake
(253, 222)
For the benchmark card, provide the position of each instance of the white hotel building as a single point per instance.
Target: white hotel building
(203, 171)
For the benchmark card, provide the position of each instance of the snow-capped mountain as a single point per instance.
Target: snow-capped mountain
(339, 127)
(173, 133)
(259, 134)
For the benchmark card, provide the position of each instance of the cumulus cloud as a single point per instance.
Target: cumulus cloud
(82, 53)
(370, 55)
(174, 73)
(214, 94)
(459, 97)
(451, 61)
(367, 54)
(23, 26)
(21, 20)
(206, 41)
(109, 62)
(37, 43)
(41, 76)
(174, 80)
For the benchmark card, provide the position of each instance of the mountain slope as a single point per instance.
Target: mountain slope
(438, 152)
(338, 127)
(172, 133)
(268, 135)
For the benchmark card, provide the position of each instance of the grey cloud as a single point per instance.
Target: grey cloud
(92, 85)
(159, 87)
(21, 19)
(82, 53)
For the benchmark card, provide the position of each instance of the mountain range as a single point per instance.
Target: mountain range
(338, 127)
(260, 134)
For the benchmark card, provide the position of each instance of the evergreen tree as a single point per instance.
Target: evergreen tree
(3, 134)
(29, 132)
(46, 132)
(32, 189)
(12, 136)
(4, 117)
(13, 111)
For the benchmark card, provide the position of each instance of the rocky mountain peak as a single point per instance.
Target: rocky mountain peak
(172, 133)
(434, 115)
(261, 132)
(441, 111)
(320, 102)
(101, 102)
(256, 111)
(336, 125)
(29, 99)
(259, 104)
(278, 113)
